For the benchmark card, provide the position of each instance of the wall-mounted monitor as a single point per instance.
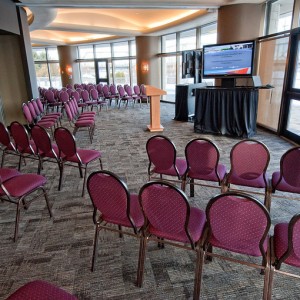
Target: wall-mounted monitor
(228, 60)
(188, 64)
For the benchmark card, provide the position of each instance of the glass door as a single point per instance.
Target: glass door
(291, 108)
(101, 68)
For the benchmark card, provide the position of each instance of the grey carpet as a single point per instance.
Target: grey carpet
(60, 250)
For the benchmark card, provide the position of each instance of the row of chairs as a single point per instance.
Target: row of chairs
(40, 147)
(234, 222)
(249, 160)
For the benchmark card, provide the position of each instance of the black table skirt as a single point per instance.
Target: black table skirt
(226, 111)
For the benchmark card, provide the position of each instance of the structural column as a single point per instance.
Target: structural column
(69, 68)
(147, 62)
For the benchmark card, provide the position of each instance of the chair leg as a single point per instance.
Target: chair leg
(19, 165)
(47, 202)
(198, 273)
(101, 166)
(95, 250)
(80, 170)
(141, 263)
(2, 160)
(61, 171)
(84, 181)
(17, 221)
(192, 188)
(120, 233)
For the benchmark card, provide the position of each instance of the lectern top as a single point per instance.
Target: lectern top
(153, 91)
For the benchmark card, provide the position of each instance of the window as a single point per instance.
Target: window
(133, 72)
(46, 62)
(87, 71)
(187, 40)
(103, 51)
(132, 47)
(86, 52)
(169, 43)
(208, 34)
(121, 72)
(169, 77)
(279, 16)
(120, 49)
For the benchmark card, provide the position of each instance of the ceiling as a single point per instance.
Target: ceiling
(57, 22)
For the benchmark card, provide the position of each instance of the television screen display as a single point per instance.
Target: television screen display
(228, 60)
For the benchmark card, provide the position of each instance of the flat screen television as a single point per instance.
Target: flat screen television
(228, 60)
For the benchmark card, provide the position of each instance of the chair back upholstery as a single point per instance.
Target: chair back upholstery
(238, 222)
(143, 90)
(129, 90)
(75, 95)
(121, 91)
(166, 209)
(94, 94)
(105, 90)
(49, 95)
(202, 157)
(69, 86)
(137, 90)
(110, 196)
(69, 112)
(63, 96)
(85, 95)
(20, 136)
(99, 87)
(161, 152)
(113, 89)
(249, 159)
(4, 136)
(36, 107)
(27, 113)
(32, 110)
(65, 142)
(40, 105)
(41, 139)
(290, 167)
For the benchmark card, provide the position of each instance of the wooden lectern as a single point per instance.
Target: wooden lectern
(154, 94)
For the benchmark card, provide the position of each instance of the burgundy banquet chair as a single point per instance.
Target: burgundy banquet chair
(287, 179)
(285, 248)
(162, 158)
(237, 223)
(113, 204)
(202, 157)
(170, 220)
(69, 154)
(249, 160)
(6, 144)
(40, 290)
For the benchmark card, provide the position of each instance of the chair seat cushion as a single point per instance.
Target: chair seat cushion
(7, 173)
(195, 227)
(46, 123)
(135, 213)
(209, 174)
(40, 290)
(84, 122)
(181, 167)
(281, 244)
(23, 184)
(249, 179)
(283, 185)
(86, 156)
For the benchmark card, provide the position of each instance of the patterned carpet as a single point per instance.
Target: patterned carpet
(59, 250)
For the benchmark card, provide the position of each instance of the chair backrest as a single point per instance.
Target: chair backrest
(113, 89)
(121, 91)
(238, 222)
(143, 89)
(161, 152)
(94, 94)
(79, 90)
(42, 140)
(75, 95)
(249, 159)
(40, 105)
(63, 96)
(4, 136)
(129, 90)
(110, 196)
(27, 113)
(69, 91)
(166, 208)
(69, 111)
(105, 90)
(202, 157)
(49, 95)
(69, 86)
(136, 90)
(36, 107)
(290, 166)
(20, 136)
(85, 95)
(32, 110)
(65, 142)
